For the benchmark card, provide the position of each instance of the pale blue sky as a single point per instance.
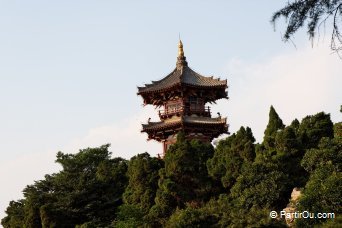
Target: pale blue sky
(69, 72)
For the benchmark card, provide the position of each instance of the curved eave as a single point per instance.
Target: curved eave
(184, 122)
(183, 76)
(162, 90)
(181, 85)
(150, 128)
(170, 80)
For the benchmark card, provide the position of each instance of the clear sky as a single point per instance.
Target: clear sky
(69, 72)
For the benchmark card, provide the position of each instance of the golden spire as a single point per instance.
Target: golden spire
(180, 49)
(181, 60)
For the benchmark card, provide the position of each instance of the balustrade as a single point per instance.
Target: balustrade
(186, 110)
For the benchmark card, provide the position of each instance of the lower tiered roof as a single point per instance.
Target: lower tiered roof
(213, 126)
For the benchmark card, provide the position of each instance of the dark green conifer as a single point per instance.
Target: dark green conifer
(313, 128)
(143, 181)
(231, 154)
(184, 180)
(323, 191)
(274, 124)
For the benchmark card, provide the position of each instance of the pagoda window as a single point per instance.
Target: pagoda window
(196, 103)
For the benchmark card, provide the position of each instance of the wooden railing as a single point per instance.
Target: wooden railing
(186, 110)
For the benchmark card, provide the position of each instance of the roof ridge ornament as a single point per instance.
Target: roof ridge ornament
(181, 59)
(180, 49)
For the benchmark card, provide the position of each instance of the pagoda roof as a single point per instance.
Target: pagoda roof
(183, 121)
(182, 75)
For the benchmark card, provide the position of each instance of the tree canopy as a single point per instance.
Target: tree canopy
(88, 190)
(236, 184)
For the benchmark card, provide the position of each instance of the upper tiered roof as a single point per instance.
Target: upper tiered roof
(183, 76)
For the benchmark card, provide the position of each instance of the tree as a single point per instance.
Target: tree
(129, 216)
(258, 190)
(231, 155)
(323, 191)
(236, 184)
(36, 196)
(314, 13)
(90, 186)
(191, 217)
(258, 186)
(142, 181)
(143, 176)
(289, 153)
(338, 130)
(86, 192)
(15, 214)
(313, 128)
(184, 180)
(274, 124)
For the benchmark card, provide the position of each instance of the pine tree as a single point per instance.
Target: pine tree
(139, 195)
(313, 128)
(143, 181)
(323, 191)
(231, 155)
(274, 124)
(184, 180)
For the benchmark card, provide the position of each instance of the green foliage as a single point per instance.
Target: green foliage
(231, 155)
(143, 181)
(191, 217)
(286, 142)
(36, 196)
(254, 217)
(87, 225)
(323, 191)
(295, 125)
(129, 216)
(338, 130)
(87, 192)
(235, 185)
(15, 214)
(185, 174)
(335, 222)
(143, 175)
(258, 186)
(314, 13)
(230, 214)
(274, 124)
(328, 153)
(286, 146)
(184, 179)
(289, 153)
(90, 185)
(313, 128)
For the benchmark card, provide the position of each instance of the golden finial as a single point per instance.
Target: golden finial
(180, 49)
(181, 60)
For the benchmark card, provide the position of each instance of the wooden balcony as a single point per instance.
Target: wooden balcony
(185, 110)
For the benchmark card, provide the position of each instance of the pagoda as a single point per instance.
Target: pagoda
(182, 95)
